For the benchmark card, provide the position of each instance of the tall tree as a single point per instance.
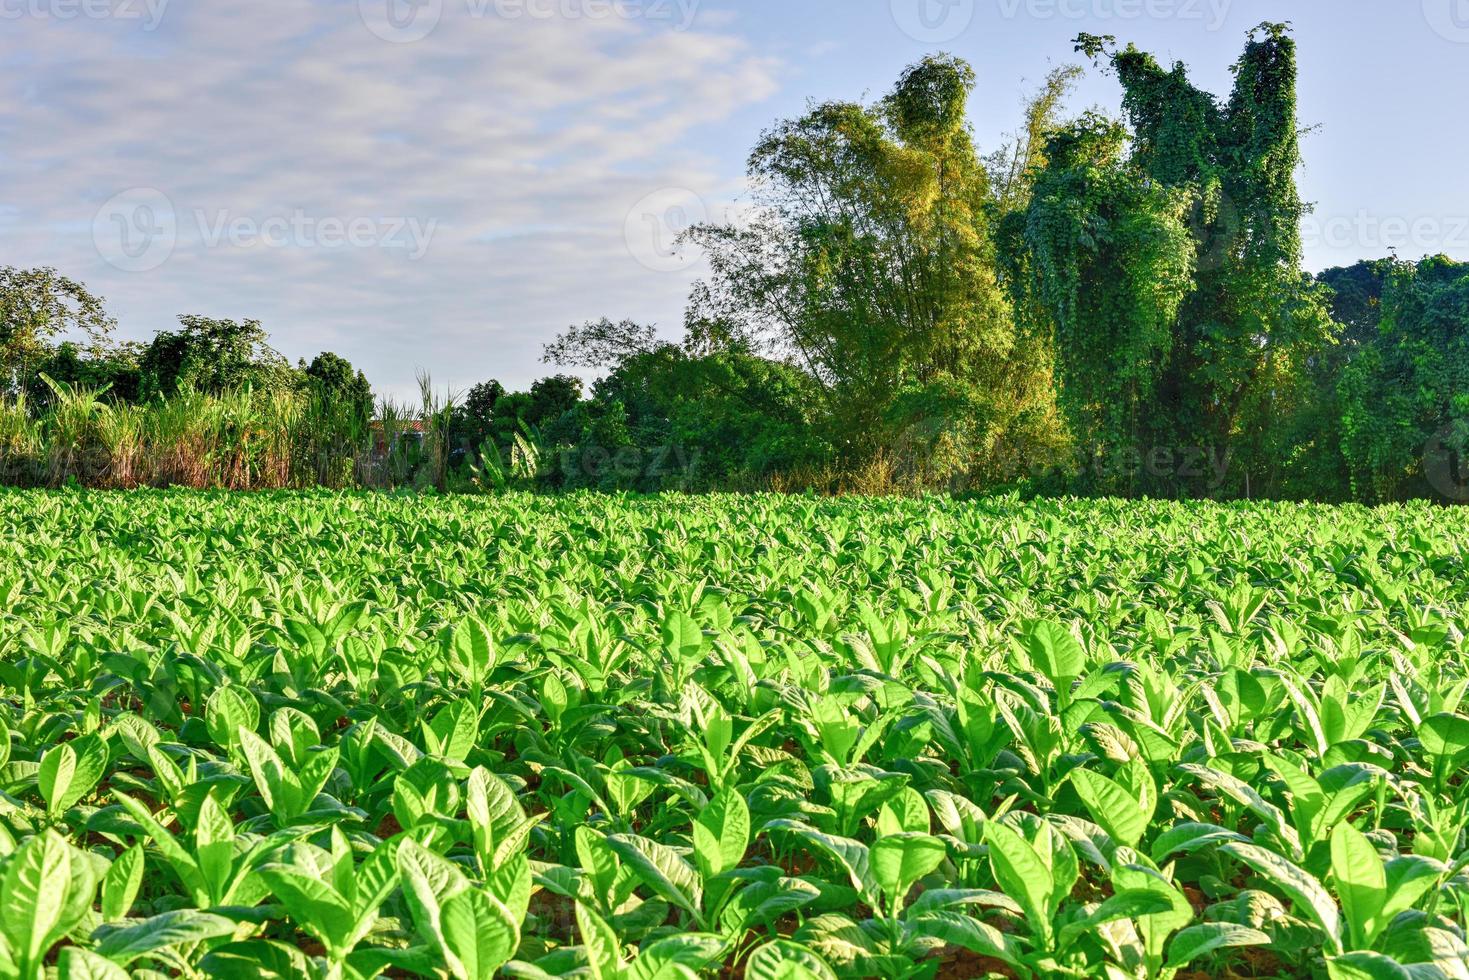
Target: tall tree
(1102, 266)
(1231, 361)
(211, 356)
(1405, 395)
(36, 307)
(870, 261)
(334, 378)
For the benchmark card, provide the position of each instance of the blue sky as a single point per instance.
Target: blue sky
(445, 186)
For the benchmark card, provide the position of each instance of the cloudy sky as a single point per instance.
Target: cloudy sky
(445, 184)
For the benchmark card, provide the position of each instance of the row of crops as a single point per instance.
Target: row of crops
(774, 738)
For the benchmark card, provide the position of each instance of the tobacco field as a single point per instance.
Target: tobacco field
(777, 738)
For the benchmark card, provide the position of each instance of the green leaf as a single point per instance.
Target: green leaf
(899, 861)
(472, 653)
(1305, 891)
(227, 711)
(1021, 874)
(70, 771)
(1196, 941)
(958, 929)
(1140, 903)
(1445, 737)
(312, 903)
(480, 932)
(721, 834)
(37, 878)
(255, 959)
(429, 881)
(1190, 837)
(277, 786)
(1111, 806)
(1408, 878)
(178, 859)
(682, 637)
(782, 959)
(120, 884)
(1361, 883)
(1056, 654)
(851, 855)
(75, 963)
(603, 951)
(123, 944)
(660, 868)
(1367, 966)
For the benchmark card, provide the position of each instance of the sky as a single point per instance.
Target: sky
(444, 185)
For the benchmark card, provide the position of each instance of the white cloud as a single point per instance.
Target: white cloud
(522, 142)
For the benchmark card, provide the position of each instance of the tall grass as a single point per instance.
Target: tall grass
(237, 440)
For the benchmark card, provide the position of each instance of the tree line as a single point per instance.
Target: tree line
(1101, 305)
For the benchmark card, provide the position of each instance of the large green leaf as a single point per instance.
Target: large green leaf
(34, 912)
(1308, 894)
(480, 932)
(124, 944)
(900, 860)
(1117, 811)
(662, 869)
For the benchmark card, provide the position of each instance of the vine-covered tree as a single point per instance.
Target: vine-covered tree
(1103, 261)
(1405, 395)
(1223, 363)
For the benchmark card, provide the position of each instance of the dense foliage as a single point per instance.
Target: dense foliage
(1409, 386)
(1099, 306)
(869, 261)
(1168, 267)
(343, 736)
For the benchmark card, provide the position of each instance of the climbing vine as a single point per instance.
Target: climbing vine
(1165, 259)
